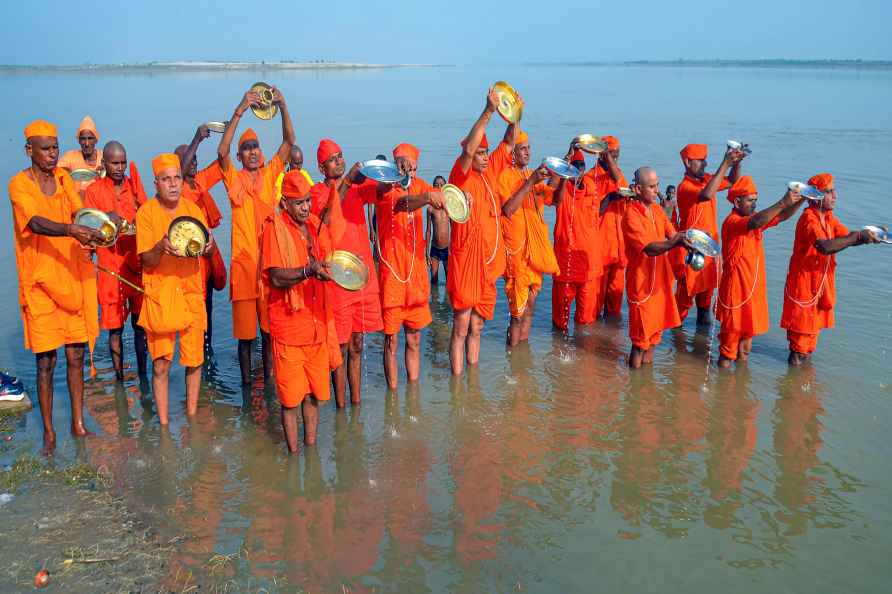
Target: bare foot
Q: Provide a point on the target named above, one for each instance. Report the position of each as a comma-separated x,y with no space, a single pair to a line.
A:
724,362
80,431
796,359
49,443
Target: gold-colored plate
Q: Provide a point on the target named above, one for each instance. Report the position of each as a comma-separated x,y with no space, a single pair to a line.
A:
347,270
84,175
188,235
510,106
456,203
626,192
590,143
266,110
98,220
218,127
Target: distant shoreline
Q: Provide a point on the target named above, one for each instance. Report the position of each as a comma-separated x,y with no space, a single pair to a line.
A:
214,66
764,63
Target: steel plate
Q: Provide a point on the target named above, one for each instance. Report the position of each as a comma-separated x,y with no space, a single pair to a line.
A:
702,242
381,171
218,127
883,235
98,220
84,175
807,191
561,168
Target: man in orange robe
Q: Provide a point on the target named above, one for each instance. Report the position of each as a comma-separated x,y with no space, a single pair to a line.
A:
742,301
607,179
197,188
252,196
85,158
294,246
696,196
174,286
810,290
476,252
57,283
402,271
122,195
577,249
339,201
523,194
648,236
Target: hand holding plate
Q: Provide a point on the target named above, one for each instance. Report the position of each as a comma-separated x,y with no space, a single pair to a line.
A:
211,246
492,100
278,97
85,235
541,174
317,269
203,131
436,200
355,176
868,236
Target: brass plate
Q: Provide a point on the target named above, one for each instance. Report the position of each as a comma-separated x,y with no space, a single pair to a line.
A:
218,127
347,270
266,110
188,235
98,220
84,175
626,192
456,203
590,143
510,106
702,242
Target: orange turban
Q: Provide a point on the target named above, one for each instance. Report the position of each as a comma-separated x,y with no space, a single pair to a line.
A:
165,161
612,142
247,135
407,151
522,138
295,185
694,152
822,181
484,142
327,148
89,125
745,186
40,128
577,156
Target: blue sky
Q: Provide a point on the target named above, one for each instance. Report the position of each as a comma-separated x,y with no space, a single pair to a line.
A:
458,32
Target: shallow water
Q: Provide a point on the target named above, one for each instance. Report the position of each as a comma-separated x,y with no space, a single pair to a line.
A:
551,467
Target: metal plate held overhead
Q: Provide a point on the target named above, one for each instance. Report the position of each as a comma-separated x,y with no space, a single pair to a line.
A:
807,191
381,171
510,105
590,143
218,127
561,168
266,109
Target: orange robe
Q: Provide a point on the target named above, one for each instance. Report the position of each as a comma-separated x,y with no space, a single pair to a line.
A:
204,180
578,254
117,299
301,323
648,279
742,305
693,214
405,289
354,311
476,253
525,234
174,289
610,236
74,159
253,200
810,290
57,282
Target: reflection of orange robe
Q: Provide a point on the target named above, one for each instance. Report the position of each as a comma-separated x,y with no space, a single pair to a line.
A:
476,253
613,253
181,276
810,290
529,252
57,282
648,279
694,214
742,304
204,180
301,325
74,159
354,311
405,289
578,254
253,200
114,296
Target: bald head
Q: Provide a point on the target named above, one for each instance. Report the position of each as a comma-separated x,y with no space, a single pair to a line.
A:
296,161
190,169
114,158
646,184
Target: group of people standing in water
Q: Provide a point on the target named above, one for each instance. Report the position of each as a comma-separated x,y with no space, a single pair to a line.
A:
610,238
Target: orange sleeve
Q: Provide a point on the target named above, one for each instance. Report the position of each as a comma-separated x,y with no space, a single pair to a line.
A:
667,224
811,230
24,206
92,199
736,224
505,186
368,192
146,234
269,251
457,176
838,228
233,184
275,166
218,271
209,176
74,197
635,232
500,158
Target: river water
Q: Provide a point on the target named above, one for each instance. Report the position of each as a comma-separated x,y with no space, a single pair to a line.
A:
550,467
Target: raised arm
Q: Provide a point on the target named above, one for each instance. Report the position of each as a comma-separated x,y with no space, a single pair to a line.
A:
288,138
731,161
784,208
223,149
201,133
838,244
475,136
612,167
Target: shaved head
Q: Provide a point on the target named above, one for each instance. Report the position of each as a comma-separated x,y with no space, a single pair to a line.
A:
296,158
113,148
647,184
